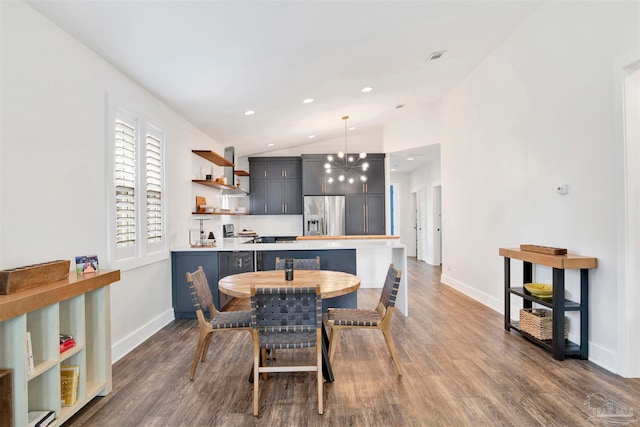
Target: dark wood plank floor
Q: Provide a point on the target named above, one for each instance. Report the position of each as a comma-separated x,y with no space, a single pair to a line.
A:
460,369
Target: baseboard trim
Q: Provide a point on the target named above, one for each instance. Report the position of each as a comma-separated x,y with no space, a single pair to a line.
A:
135,338
602,357
481,297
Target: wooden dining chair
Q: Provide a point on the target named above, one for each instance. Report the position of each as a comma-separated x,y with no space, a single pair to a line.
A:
378,318
217,321
286,318
300,263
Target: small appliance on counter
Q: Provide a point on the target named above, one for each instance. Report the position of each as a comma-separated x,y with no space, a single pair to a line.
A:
228,232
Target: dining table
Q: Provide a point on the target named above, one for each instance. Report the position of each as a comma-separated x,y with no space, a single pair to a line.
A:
332,284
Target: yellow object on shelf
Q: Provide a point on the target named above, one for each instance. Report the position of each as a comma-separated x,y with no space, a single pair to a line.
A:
540,290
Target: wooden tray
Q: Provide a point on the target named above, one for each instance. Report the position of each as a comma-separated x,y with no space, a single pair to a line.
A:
31,276
548,250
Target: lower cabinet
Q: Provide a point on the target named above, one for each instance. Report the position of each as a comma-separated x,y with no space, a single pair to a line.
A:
232,263
183,262
216,265
364,214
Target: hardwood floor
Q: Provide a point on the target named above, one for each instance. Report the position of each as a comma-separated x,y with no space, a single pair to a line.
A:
460,369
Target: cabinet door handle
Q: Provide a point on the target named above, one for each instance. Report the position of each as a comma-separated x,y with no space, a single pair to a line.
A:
265,208
367,221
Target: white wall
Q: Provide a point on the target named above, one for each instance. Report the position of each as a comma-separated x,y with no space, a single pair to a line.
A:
53,165
536,113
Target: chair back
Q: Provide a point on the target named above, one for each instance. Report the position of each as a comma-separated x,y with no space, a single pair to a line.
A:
390,288
295,311
300,263
200,292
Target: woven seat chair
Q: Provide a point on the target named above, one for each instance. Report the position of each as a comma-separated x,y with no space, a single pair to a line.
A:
300,263
286,318
217,321
378,318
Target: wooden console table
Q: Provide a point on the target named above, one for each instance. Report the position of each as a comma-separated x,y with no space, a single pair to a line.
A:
559,347
78,306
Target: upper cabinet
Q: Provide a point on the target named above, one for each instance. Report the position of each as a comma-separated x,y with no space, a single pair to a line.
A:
314,177
276,185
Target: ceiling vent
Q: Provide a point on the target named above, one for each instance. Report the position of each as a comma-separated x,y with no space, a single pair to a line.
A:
436,55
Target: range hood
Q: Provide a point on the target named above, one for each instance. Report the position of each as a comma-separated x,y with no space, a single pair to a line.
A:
229,174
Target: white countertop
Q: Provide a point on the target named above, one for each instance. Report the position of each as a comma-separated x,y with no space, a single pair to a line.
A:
237,244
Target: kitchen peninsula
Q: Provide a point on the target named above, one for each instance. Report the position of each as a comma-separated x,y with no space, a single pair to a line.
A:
368,257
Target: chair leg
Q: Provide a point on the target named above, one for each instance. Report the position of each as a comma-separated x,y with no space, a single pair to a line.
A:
392,349
205,350
201,339
320,380
333,342
256,380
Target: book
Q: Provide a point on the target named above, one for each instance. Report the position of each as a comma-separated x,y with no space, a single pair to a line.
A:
87,264
40,418
66,342
69,380
30,365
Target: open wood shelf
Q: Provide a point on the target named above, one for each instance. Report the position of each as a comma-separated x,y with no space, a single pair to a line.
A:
240,172
228,189
213,157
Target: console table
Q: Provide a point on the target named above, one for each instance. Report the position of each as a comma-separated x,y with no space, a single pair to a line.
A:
558,346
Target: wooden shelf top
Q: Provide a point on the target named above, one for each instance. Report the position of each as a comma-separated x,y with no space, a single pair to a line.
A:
22,302
240,172
555,261
212,157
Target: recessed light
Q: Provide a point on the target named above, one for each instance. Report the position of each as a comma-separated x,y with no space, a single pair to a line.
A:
271,144
311,136
409,158
352,128
366,89
307,101
436,55
399,106
393,170
249,113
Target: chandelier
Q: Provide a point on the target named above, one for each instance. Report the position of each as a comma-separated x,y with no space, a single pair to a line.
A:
345,165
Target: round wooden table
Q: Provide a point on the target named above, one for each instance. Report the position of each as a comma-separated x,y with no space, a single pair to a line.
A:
332,283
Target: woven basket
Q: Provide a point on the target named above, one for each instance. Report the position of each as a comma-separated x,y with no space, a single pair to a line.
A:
538,322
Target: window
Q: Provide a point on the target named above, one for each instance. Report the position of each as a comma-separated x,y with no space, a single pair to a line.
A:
154,186
137,231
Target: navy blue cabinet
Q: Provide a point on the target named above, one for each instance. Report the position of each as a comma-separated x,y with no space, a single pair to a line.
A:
275,185
183,262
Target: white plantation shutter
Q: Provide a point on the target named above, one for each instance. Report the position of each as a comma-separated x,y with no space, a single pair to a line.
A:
125,184
136,203
154,168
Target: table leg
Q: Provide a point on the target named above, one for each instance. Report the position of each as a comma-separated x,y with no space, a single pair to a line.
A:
327,372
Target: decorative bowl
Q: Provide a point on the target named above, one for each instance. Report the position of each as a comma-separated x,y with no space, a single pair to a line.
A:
540,290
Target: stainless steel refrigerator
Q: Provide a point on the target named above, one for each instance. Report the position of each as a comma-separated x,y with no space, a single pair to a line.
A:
324,215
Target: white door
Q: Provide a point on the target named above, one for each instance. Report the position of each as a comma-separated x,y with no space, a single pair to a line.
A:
421,223
437,225
412,243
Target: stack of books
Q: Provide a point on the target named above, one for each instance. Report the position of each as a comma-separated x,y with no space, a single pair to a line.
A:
66,342
40,418
69,379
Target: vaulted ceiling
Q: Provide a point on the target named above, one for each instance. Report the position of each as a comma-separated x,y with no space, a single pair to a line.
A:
214,60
